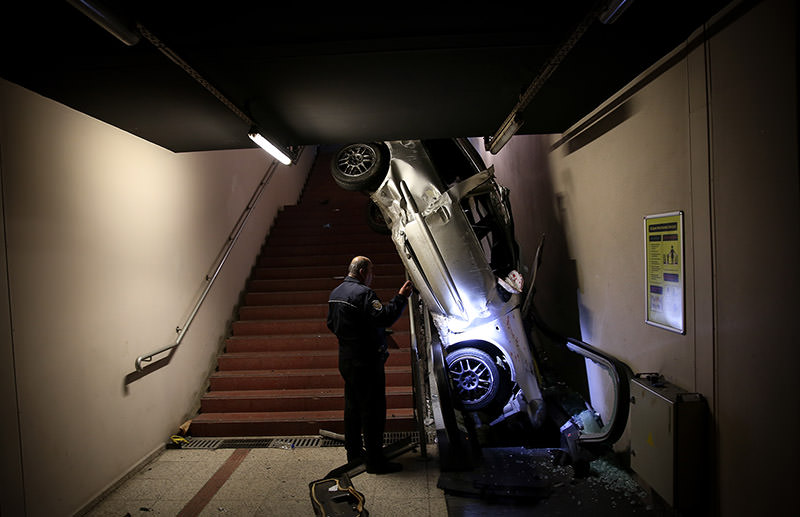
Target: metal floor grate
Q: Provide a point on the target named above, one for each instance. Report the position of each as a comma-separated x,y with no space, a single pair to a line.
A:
388,439
282,442
201,443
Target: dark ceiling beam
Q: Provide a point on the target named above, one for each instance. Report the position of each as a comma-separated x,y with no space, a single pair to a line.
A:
515,120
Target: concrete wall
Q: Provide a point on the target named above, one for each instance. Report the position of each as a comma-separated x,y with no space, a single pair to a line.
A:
108,240
711,131
756,232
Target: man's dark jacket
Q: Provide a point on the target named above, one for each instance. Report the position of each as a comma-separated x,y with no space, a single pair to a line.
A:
359,319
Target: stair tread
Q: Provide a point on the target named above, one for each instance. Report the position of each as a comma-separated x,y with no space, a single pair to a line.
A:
296,392
255,416
328,269
326,291
262,306
299,335
296,371
377,279
272,320
329,352
250,337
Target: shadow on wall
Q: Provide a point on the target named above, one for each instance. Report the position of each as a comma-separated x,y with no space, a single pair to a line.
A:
541,211
610,119
523,167
147,369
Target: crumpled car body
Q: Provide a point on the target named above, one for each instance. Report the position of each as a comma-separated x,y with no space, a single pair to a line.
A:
451,224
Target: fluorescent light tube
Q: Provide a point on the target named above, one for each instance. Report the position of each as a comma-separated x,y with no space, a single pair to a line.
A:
504,134
270,148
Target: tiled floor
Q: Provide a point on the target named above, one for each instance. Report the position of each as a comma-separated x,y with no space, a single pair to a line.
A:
271,482
275,482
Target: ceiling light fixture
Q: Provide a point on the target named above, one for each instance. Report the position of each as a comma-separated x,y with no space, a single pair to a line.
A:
268,146
105,18
504,134
614,11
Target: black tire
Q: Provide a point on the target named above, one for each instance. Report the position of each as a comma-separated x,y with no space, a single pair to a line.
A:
475,376
375,219
446,401
458,447
360,167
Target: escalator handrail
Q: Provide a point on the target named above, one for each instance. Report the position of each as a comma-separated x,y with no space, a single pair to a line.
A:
620,372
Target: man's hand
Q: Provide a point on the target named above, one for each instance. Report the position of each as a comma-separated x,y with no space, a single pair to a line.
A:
407,288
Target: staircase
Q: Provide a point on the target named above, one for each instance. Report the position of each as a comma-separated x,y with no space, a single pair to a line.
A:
278,375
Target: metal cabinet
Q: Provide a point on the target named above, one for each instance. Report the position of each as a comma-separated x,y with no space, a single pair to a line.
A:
669,441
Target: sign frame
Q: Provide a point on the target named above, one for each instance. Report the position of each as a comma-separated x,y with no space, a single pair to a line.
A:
664,272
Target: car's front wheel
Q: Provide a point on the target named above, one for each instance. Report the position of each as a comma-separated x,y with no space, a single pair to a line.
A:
360,166
476,377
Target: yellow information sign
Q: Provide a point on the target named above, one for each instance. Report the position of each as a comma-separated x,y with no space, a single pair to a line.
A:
664,278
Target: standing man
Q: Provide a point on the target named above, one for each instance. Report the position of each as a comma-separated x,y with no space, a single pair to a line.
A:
359,319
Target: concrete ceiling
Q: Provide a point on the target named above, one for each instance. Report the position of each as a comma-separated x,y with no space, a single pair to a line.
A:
336,72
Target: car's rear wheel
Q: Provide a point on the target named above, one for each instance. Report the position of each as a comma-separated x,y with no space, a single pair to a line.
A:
476,378
360,166
375,219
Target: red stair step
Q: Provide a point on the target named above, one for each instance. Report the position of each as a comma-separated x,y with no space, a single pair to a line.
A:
288,423
304,297
278,342
343,258
285,312
295,378
268,312
296,326
379,244
352,208
296,359
324,235
324,271
316,284
264,327
293,400
285,227
290,342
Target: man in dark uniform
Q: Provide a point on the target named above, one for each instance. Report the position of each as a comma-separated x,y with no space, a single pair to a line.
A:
359,319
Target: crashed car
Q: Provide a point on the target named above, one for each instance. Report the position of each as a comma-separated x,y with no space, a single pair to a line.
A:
452,226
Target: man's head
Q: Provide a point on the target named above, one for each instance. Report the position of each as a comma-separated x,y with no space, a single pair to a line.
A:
361,269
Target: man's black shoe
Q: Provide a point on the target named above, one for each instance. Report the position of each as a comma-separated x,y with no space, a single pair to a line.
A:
358,458
384,468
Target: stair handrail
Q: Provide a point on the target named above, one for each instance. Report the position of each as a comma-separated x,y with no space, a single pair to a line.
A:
233,237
